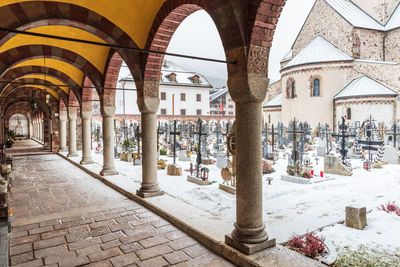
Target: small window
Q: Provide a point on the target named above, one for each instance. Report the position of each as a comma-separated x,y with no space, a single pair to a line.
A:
198,97
198,112
183,97
349,113
163,96
316,88
183,112
293,90
269,118
163,111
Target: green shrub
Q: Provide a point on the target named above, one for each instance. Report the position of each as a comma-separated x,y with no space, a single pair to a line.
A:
127,145
163,152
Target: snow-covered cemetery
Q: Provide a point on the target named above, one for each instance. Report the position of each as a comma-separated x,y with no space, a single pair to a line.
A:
200,133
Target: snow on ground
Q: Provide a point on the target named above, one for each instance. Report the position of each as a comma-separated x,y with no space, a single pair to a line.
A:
296,208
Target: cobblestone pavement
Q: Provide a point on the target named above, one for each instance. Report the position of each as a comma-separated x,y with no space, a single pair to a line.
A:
61,218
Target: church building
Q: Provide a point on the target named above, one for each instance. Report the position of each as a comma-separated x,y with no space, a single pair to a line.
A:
344,62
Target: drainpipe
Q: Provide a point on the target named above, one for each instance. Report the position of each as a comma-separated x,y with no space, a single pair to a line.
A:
384,46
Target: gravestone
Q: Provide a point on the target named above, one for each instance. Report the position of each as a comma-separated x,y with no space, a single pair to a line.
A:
390,155
174,170
183,156
321,148
222,161
356,217
333,165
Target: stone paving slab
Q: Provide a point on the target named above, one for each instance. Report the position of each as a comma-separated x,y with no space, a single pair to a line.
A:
124,235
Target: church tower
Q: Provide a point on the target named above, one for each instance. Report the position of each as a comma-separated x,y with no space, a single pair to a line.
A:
381,10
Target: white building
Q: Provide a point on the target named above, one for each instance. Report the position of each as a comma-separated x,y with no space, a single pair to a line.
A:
221,103
182,92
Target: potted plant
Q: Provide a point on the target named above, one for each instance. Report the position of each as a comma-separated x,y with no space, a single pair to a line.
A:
10,138
127,146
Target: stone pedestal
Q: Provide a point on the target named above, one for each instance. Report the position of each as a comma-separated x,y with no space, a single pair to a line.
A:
356,217
249,248
207,161
174,170
125,157
333,165
196,180
228,188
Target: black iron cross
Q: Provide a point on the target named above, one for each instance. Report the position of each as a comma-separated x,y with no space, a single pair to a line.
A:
326,132
294,131
217,131
265,133
138,137
343,129
175,133
395,133
369,127
200,133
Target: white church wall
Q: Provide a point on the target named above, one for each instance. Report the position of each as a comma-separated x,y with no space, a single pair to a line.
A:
272,116
24,124
308,108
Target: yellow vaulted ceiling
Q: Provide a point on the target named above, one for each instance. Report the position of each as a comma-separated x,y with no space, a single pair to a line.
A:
134,17
47,78
94,54
41,87
70,70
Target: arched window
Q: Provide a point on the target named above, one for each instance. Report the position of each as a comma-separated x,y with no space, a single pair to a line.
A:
269,118
349,113
316,88
293,90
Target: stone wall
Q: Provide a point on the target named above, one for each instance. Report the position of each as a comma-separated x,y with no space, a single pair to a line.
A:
273,90
392,46
320,22
370,44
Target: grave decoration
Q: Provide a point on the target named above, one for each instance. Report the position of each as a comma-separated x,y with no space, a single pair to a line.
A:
137,157
126,154
160,131
370,143
343,128
282,140
174,169
199,174
295,166
228,173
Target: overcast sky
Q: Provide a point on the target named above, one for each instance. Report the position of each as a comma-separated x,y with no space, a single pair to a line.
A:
198,36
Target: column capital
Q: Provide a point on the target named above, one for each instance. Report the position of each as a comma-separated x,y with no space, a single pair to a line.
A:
86,115
72,113
248,80
148,104
107,111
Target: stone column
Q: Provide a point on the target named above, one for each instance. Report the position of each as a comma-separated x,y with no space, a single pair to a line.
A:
86,138
63,131
41,131
47,127
108,141
148,108
72,132
248,85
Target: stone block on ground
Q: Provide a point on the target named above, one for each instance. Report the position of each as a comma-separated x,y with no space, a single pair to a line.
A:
228,188
174,170
390,155
356,217
332,165
207,161
196,180
222,161
183,156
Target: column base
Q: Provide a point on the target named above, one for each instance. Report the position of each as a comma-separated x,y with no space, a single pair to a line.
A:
149,194
63,150
109,171
86,161
72,155
249,249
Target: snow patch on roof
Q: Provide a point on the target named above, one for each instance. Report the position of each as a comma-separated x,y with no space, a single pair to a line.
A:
288,56
364,86
317,51
394,21
274,102
355,15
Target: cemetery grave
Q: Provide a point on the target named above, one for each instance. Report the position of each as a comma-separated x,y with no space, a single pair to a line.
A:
288,207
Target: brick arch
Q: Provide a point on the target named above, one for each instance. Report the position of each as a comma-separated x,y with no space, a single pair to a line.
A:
168,19
18,108
27,91
29,81
16,73
20,54
113,67
46,110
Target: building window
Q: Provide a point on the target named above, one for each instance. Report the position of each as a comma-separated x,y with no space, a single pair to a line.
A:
349,113
269,118
293,89
316,88
198,112
163,111
163,96
198,97
183,112
183,97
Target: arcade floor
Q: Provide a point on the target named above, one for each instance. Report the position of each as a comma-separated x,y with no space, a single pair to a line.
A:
64,217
